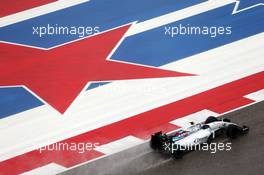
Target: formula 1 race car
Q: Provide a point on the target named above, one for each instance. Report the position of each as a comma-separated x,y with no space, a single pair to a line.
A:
184,140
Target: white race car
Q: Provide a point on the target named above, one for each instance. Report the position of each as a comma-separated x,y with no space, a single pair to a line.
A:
184,140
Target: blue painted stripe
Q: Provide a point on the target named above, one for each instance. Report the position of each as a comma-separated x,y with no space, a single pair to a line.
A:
106,14
155,48
248,3
96,85
15,100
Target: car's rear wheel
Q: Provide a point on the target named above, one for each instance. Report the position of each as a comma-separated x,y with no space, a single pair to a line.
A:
156,141
211,119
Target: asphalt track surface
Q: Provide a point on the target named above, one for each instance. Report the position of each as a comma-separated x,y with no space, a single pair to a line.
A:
245,158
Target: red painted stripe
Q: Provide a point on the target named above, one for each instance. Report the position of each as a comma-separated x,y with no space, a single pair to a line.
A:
14,6
141,125
230,105
34,159
52,76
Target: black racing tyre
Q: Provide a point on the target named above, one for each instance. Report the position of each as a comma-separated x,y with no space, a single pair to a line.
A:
156,141
210,119
210,139
226,120
232,131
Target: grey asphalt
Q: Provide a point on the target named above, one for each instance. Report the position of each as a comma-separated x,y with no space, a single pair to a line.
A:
245,158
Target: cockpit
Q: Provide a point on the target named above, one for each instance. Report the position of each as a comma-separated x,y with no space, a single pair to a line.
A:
194,128
180,134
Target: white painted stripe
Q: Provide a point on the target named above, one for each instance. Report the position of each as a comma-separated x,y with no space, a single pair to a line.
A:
119,145
197,117
38,11
49,169
256,96
235,11
212,60
178,15
108,104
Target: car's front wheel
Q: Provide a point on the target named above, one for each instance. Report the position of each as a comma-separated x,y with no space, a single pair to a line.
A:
232,131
